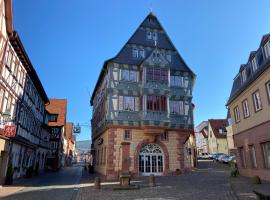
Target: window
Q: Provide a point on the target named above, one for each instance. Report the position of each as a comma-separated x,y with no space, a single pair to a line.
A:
128,103
135,53
156,103
242,157
244,75
257,101
151,35
254,64
266,154
164,136
245,108
177,107
268,90
127,135
53,117
141,53
252,154
169,57
267,49
8,105
177,81
1,97
129,75
156,74
236,114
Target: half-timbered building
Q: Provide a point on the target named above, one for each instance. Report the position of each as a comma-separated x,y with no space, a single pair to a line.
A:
142,106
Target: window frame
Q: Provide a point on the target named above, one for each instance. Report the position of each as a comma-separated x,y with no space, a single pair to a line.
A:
242,155
267,85
266,49
245,102
254,64
244,75
252,156
54,115
237,116
127,132
254,101
266,163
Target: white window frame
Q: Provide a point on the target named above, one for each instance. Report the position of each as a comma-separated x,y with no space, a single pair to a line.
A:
268,90
253,158
244,75
254,64
266,48
257,101
135,53
237,114
245,108
266,154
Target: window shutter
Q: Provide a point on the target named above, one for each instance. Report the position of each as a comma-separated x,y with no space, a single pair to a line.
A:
121,101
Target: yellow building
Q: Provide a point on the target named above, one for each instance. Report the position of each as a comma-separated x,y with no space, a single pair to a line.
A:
217,142
249,105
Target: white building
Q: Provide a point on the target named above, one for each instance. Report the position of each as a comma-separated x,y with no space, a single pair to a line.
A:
201,135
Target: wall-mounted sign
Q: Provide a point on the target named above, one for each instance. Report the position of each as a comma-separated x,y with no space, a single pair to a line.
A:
10,131
100,141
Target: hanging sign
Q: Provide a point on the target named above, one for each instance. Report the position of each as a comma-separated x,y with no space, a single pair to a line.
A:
10,131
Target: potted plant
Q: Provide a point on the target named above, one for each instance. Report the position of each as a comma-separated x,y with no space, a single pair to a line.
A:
9,175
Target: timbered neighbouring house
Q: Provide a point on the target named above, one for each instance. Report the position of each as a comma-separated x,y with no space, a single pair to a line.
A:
142,106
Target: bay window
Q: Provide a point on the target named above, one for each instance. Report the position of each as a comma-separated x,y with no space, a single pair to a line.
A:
177,107
156,103
128,103
157,74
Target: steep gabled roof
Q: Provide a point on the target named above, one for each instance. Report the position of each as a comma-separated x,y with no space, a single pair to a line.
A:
139,38
262,64
216,125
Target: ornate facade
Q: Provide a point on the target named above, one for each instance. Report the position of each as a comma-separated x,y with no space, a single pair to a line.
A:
143,99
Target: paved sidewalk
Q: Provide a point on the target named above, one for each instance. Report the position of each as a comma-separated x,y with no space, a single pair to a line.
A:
211,182
243,187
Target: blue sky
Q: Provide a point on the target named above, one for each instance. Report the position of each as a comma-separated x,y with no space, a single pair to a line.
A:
68,41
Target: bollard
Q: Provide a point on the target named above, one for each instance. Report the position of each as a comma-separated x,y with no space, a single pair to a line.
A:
152,181
97,183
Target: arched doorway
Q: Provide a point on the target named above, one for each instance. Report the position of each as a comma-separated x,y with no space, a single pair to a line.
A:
151,160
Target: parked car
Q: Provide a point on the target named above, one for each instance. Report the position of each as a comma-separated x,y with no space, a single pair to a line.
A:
220,157
205,156
232,159
225,159
216,156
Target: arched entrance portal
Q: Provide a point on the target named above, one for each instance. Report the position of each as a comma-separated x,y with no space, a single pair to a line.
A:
151,160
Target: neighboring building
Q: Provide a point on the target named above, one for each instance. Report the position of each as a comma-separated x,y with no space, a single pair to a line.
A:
142,106
230,142
249,105
57,110
217,142
71,148
201,135
22,103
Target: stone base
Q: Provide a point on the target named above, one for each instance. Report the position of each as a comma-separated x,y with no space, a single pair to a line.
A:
129,187
125,180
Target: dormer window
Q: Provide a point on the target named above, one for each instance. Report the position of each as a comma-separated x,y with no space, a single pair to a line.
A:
244,75
169,57
254,64
141,52
267,49
135,53
151,35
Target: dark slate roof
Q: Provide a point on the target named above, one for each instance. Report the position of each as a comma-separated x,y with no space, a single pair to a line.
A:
216,125
238,85
139,38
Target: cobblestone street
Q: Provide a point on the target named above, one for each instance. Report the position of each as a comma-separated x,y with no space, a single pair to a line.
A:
210,181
